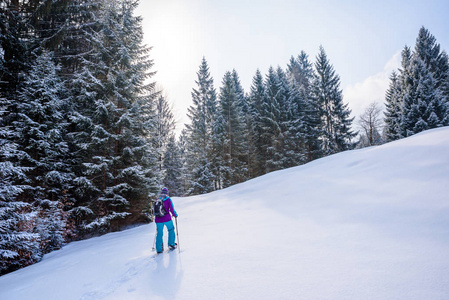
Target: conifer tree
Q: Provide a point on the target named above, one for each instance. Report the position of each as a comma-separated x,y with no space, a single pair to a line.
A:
173,168
290,122
19,246
301,75
302,71
423,105
423,77
115,104
185,172
232,126
256,148
141,155
271,127
164,128
245,117
41,129
435,60
335,115
393,109
201,153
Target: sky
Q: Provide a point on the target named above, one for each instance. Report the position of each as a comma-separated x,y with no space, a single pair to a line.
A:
362,39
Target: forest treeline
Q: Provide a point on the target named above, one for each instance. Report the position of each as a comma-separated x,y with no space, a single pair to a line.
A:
87,140
288,118
79,146
295,115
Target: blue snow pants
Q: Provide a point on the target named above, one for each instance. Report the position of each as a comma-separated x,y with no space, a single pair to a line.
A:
160,232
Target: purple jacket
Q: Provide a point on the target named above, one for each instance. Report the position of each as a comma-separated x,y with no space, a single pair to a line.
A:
168,205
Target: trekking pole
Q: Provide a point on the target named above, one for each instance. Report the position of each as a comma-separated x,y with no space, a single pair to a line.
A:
177,234
154,242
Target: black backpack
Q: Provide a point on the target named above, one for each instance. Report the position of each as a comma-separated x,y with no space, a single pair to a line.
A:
159,209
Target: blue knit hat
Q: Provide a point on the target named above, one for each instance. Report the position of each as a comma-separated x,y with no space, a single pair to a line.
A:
164,191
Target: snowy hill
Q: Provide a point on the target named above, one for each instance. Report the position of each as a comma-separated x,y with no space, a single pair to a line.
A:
364,224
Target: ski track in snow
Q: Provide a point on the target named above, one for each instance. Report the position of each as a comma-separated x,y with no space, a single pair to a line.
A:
363,224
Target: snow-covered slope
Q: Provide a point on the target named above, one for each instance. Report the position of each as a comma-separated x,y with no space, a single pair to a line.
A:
365,224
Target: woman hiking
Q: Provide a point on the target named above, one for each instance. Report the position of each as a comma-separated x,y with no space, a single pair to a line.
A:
164,218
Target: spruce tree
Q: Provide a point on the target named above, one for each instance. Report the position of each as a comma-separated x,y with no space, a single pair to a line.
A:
201,152
301,75
393,109
271,122
164,128
41,128
435,60
424,106
232,126
301,71
423,86
141,155
243,104
114,105
19,246
173,168
335,115
256,148
290,122
185,172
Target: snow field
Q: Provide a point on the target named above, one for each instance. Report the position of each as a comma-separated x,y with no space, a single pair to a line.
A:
364,224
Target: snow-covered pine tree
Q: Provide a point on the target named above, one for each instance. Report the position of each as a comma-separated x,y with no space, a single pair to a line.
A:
136,175
19,246
114,106
435,60
335,115
201,153
185,173
41,128
292,122
232,126
423,79
145,177
271,122
444,68
173,168
164,128
87,86
301,74
256,98
243,104
424,106
83,98
301,69
393,103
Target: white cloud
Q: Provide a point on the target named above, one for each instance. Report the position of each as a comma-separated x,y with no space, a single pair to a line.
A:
372,89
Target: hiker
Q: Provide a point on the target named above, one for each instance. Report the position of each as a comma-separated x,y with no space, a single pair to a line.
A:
164,218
